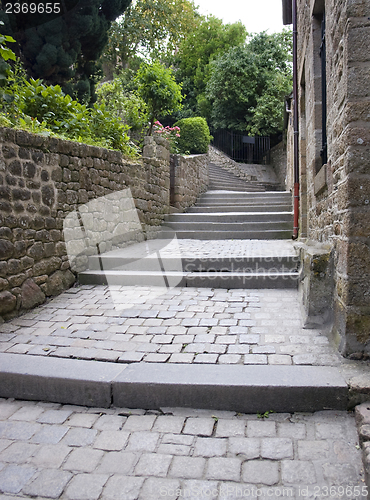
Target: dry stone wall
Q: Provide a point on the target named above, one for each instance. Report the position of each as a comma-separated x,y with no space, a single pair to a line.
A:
43,180
190,178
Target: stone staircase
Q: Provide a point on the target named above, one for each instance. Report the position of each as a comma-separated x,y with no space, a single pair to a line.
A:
233,208
250,213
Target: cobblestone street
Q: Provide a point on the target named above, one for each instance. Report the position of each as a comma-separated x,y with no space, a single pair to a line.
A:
180,325
68,452
55,451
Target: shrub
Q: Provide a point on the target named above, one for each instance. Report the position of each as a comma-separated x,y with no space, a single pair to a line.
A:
172,134
195,136
156,85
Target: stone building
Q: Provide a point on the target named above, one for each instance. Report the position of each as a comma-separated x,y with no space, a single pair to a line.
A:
333,102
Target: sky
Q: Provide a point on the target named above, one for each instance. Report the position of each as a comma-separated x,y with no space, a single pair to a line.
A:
256,15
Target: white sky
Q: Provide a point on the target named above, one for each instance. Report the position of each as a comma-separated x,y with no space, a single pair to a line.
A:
256,15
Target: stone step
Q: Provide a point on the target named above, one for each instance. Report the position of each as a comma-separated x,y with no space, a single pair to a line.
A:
263,196
263,234
227,187
247,280
230,217
236,226
117,260
240,388
278,207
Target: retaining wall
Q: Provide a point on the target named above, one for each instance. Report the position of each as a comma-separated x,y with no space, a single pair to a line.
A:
43,179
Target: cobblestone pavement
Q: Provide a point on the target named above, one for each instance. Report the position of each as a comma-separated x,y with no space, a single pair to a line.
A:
231,248
54,451
184,325
180,325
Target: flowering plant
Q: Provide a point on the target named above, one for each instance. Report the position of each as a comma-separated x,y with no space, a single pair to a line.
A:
169,133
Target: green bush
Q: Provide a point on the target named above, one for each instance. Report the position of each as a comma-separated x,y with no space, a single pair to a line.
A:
195,136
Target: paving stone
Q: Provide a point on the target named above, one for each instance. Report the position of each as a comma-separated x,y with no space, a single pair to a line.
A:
313,450
168,423
329,431
54,416
298,472
14,477
80,437
155,488
174,449
181,357
263,349
27,413
153,464
197,490
260,472
187,467
178,439
261,428
293,430
50,434
229,428
131,357
82,420
155,357
226,339
122,488
83,459
248,447
279,359
232,491
199,426
276,448
115,462
229,359
19,452
340,474
139,422
227,469
86,486
51,456
210,447
143,441
49,483
255,359
249,338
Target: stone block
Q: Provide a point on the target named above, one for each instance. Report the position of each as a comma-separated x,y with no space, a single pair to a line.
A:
31,295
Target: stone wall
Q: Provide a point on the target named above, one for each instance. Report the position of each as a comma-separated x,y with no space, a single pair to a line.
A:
264,174
335,209
43,180
278,161
190,178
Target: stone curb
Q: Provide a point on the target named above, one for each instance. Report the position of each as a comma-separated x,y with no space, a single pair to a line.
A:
247,389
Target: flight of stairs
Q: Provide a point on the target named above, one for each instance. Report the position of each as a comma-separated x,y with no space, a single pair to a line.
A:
239,210
242,210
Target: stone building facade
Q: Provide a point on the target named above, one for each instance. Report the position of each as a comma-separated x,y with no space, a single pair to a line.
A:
44,179
333,73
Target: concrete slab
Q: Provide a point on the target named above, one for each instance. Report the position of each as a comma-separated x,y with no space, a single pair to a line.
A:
58,380
247,389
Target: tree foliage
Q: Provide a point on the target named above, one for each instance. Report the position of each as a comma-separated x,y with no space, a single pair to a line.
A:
152,28
248,83
63,48
157,86
211,39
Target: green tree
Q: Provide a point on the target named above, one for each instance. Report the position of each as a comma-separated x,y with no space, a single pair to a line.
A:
62,48
152,28
247,85
157,86
209,40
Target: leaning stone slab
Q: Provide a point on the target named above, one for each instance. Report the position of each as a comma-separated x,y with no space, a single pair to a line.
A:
69,381
247,389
